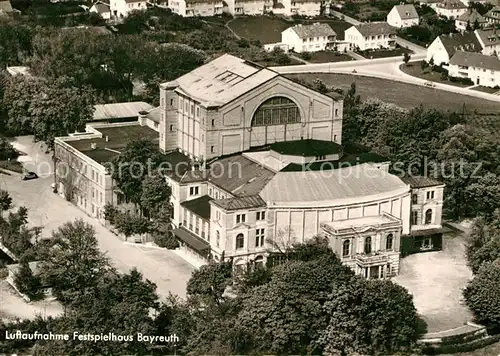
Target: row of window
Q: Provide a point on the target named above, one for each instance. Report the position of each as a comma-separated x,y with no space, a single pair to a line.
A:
346,245
196,225
259,216
427,220
429,196
259,239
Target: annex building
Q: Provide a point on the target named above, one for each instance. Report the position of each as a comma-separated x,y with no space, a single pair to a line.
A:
258,165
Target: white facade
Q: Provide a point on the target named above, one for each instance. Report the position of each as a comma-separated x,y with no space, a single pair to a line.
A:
490,42
357,40
437,52
246,7
451,9
480,76
121,8
299,44
102,9
394,19
301,7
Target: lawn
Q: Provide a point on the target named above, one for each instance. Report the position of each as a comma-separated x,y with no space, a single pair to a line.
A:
13,166
328,56
267,29
403,94
415,70
384,53
486,89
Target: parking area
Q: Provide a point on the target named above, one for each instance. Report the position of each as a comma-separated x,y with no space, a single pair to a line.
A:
163,267
436,280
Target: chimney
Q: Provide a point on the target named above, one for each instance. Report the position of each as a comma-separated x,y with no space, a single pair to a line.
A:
93,145
143,117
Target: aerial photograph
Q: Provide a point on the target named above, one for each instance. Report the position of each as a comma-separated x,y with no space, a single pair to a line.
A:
250,177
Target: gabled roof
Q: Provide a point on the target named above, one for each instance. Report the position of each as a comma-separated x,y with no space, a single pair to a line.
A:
6,7
375,28
199,206
238,203
406,12
102,8
221,80
489,37
460,42
315,186
493,13
420,181
314,30
451,5
477,60
472,16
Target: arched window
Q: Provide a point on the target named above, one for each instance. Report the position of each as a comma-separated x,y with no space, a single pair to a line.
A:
389,241
276,111
240,241
346,248
217,238
428,216
414,199
259,262
368,245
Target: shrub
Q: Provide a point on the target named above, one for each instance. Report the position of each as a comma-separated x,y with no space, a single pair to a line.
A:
167,241
306,56
27,283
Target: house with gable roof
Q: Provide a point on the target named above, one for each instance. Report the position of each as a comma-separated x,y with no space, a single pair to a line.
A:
493,16
471,18
309,38
444,47
190,8
372,35
121,8
102,9
490,41
403,16
451,9
481,69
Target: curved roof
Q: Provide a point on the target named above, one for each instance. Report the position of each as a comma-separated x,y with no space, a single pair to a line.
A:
345,183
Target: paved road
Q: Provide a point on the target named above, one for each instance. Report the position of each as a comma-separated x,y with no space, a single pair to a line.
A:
414,47
163,267
346,18
384,68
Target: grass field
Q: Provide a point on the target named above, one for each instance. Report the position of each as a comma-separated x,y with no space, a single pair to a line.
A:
328,56
267,29
414,70
405,95
486,89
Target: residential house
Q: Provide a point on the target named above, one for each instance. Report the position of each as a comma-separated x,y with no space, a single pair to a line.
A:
493,16
471,19
121,8
481,69
102,9
427,196
309,38
490,41
373,35
299,7
249,7
444,47
451,9
403,16
190,8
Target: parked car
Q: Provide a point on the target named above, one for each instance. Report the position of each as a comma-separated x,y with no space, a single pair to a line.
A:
30,176
430,84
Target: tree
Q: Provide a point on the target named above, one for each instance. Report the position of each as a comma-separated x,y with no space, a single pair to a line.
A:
468,27
7,151
131,224
483,245
484,195
431,62
481,294
162,227
26,282
370,317
155,193
406,57
210,281
75,264
129,169
5,201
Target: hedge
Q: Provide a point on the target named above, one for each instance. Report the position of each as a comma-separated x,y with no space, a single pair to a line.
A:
457,348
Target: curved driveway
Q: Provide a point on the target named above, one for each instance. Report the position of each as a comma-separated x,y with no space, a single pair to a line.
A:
384,68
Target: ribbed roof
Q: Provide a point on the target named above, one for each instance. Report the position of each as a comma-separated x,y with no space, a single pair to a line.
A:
350,182
120,110
420,181
477,60
221,80
314,30
238,203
